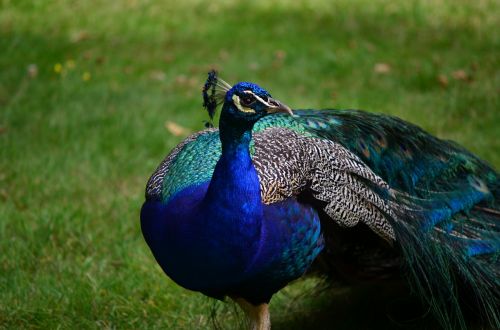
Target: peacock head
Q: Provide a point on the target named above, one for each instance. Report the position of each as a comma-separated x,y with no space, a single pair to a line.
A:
244,101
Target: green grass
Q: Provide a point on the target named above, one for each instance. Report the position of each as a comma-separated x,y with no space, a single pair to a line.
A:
77,146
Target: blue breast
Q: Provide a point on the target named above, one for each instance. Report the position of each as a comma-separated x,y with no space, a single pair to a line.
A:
205,253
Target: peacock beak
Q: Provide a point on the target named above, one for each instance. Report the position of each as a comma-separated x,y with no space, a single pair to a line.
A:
276,106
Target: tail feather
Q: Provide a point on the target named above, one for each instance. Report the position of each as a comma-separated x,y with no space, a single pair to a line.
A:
436,200
450,250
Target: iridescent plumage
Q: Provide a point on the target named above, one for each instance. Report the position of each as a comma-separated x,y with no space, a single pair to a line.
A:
250,206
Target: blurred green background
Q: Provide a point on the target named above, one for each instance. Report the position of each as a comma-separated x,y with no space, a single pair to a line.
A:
93,94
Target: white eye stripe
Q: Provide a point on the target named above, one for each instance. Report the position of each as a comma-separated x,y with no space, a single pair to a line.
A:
259,98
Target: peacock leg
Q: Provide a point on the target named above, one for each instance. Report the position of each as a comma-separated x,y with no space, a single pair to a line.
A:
258,315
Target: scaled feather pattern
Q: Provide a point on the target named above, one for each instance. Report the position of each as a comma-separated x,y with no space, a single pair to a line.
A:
242,210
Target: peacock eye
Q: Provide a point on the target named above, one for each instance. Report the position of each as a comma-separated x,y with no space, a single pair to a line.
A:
247,100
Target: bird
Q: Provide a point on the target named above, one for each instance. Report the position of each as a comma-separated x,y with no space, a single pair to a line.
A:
241,210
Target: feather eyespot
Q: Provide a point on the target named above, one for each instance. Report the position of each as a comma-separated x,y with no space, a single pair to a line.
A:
442,158
478,184
381,141
364,149
406,151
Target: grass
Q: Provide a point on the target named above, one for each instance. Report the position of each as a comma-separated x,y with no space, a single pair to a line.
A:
87,86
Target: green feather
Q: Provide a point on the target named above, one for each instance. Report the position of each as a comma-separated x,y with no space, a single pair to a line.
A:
438,183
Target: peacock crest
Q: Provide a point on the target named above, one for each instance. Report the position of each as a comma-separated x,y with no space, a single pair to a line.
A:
214,92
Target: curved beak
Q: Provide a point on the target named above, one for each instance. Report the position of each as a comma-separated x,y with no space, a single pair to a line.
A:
276,106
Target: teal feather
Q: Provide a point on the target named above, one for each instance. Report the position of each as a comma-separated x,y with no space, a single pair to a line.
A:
441,201
413,169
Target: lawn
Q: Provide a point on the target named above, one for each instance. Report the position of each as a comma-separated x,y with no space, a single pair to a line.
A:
90,91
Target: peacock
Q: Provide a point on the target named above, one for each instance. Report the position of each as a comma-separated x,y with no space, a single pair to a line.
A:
242,210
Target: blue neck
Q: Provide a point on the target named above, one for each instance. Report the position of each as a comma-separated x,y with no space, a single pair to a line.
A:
234,187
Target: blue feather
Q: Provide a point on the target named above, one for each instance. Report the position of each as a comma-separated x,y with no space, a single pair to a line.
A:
211,230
